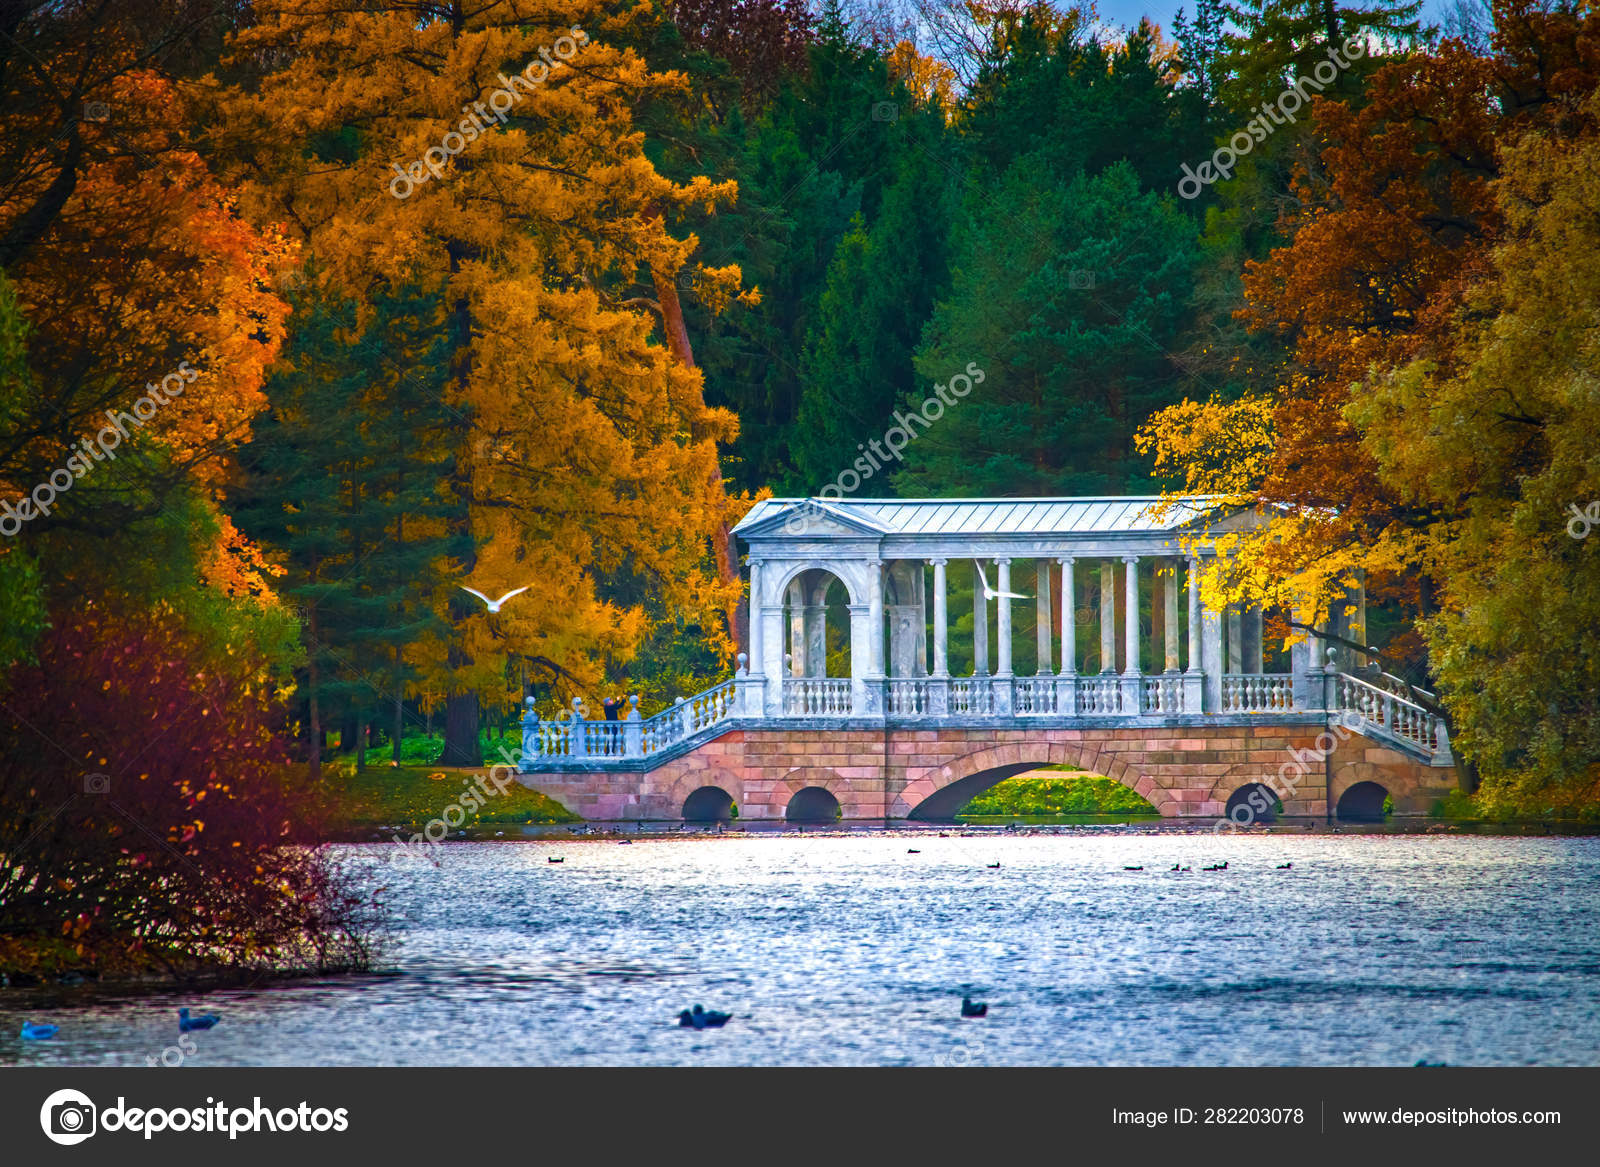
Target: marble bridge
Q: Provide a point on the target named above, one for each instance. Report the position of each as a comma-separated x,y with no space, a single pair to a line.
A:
840,710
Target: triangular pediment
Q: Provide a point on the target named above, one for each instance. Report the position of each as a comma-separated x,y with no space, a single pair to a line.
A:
805,518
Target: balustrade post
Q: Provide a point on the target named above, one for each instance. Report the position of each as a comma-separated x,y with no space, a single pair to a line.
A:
579,745
1330,682
530,731
633,730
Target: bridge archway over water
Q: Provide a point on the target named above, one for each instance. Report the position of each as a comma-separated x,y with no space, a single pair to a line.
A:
1362,803
939,795
813,804
1252,803
708,804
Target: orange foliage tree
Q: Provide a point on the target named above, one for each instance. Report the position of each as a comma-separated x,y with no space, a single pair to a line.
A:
490,152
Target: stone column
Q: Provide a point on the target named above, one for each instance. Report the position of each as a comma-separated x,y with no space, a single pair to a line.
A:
1170,614
875,615
816,614
865,689
797,627
754,631
941,621
1211,658
1193,682
1003,584
1235,641
1108,616
939,683
1042,616
1069,616
751,687
1131,569
1132,684
1305,663
980,626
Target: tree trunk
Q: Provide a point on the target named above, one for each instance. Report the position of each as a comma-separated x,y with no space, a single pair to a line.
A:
723,545
317,735
348,726
361,745
461,747
399,725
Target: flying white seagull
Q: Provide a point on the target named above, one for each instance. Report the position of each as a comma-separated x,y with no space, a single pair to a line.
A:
988,592
494,605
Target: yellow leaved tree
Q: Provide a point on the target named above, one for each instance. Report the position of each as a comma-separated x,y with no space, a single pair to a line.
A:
490,150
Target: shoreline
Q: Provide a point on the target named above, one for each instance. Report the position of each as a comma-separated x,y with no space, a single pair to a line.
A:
1066,826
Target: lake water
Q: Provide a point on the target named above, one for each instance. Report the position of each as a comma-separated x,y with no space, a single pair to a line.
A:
847,950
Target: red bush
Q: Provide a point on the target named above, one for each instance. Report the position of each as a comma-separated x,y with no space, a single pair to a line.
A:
144,816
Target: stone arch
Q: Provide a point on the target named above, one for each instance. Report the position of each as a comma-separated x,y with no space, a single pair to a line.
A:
1251,802
707,804
782,790
1362,802
805,627
691,781
923,797
842,570
813,804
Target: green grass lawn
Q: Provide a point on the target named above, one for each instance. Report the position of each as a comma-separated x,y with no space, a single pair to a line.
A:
409,796
1064,792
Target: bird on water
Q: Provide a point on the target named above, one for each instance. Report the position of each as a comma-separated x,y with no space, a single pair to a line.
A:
187,1024
702,1018
971,1008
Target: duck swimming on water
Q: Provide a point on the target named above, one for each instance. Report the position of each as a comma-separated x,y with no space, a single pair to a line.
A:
971,1008
701,1018
187,1024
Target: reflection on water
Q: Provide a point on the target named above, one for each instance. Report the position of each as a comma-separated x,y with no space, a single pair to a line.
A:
851,951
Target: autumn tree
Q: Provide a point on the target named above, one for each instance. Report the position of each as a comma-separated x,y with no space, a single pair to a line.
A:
1496,438
444,147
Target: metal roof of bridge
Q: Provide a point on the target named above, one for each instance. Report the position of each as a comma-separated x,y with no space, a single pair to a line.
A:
998,516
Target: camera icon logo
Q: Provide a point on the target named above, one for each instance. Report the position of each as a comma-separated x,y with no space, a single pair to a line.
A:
96,111
885,111
97,783
68,1117
1080,280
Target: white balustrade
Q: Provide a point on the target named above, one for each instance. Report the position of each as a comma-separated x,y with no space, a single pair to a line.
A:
908,698
1163,695
1388,713
1257,692
1381,711
1099,695
817,697
972,697
1034,695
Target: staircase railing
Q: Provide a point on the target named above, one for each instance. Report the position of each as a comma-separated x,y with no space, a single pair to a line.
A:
1386,714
